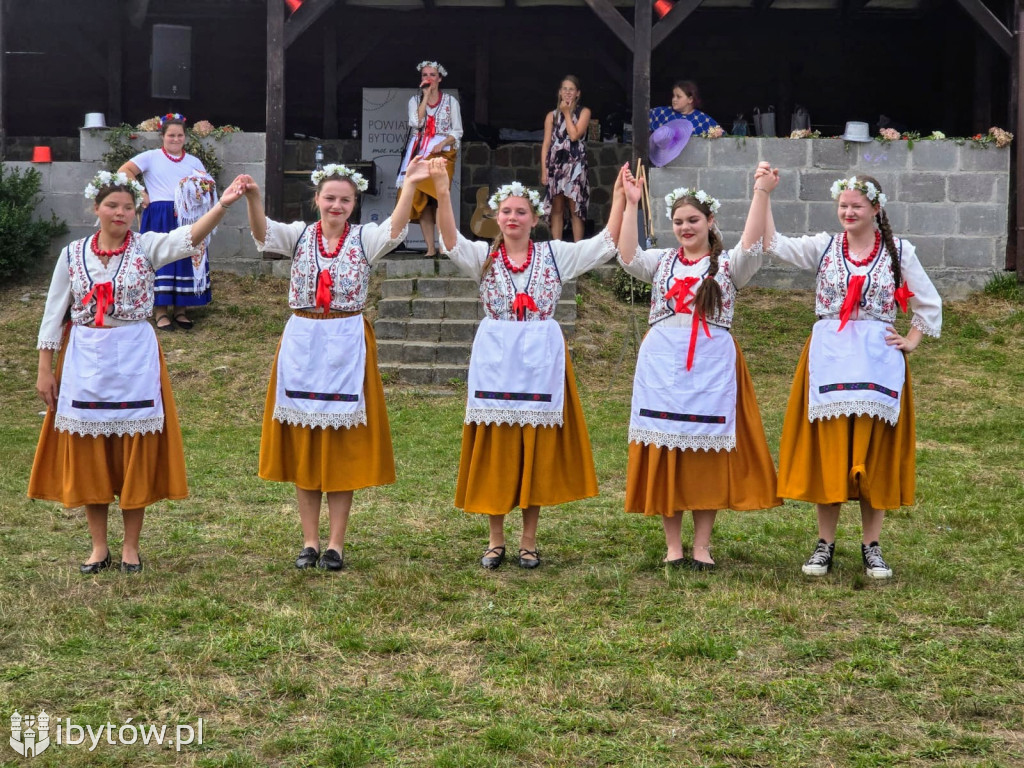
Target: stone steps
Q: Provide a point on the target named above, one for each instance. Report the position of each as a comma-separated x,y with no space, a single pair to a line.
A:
426,324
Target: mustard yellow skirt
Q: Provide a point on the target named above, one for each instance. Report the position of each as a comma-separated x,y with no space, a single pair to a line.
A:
830,461
328,460
425,192
137,469
663,481
504,466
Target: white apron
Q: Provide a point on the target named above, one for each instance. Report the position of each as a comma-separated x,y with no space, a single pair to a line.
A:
676,408
111,382
320,373
517,373
853,372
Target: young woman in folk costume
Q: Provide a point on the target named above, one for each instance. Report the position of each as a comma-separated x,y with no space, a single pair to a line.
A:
435,128
524,442
185,283
849,426
563,171
695,435
111,428
325,425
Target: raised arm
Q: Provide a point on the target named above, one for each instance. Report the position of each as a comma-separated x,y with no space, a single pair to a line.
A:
614,223
235,191
766,179
418,170
446,227
254,207
627,240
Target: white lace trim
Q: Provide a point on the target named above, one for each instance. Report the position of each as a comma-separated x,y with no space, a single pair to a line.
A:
186,240
609,243
510,416
918,322
299,418
108,428
48,344
773,244
854,408
682,442
260,245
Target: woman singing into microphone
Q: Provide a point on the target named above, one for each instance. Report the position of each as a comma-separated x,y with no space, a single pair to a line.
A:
435,128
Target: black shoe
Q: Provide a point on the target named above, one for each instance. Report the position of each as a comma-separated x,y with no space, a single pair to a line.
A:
529,562
96,567
331,560
307,558
700,565
130,567
168,326
492,562
677,563
183,322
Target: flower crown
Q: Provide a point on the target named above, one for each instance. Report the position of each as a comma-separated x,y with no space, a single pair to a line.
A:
440,70
108,179
873,193
697,194
171,116
342,172
516,189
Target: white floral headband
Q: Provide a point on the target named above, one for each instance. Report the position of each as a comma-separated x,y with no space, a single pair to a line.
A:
873,193
516,189
697,194
108,179
440,70
342,172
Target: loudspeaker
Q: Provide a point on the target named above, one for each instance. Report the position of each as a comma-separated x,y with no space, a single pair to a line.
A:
171,62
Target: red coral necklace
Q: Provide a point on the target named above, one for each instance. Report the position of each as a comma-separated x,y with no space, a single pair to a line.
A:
109,254
867,259
508,262
320,241
690,262
171,157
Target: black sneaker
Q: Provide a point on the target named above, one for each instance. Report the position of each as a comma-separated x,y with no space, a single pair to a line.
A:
307,558
820,562
874,565
332,560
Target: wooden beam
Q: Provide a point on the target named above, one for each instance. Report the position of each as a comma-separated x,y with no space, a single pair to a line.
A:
482,80
1017,178
672,19
987,20
275,110
330,128
614,20
642,18
3,81
304,18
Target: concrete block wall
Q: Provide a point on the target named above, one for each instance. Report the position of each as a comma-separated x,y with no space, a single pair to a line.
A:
949,200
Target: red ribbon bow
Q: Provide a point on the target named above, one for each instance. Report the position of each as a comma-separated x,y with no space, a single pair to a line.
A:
682,292
852,299
323,290
429,129
902,295
104,295
698,321
523,302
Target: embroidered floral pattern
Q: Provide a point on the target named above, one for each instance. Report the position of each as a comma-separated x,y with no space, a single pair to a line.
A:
132,277
670,268
350,272
682,442
834,273
544,286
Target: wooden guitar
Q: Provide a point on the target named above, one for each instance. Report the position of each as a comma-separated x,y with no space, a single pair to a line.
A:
483,223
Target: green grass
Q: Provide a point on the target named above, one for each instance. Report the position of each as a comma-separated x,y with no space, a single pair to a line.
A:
414,656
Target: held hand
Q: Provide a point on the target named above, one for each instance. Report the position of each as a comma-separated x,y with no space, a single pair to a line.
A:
439,173
251,188
618,188
235,191
46,388
766,178
893,339
417,170
634,190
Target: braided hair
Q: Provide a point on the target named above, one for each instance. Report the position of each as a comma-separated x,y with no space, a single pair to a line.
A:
707,301
887,237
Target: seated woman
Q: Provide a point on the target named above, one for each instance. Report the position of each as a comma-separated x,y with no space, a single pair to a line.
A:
685,103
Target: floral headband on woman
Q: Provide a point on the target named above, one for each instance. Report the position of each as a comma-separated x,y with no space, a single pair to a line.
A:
874,195
108,179
171,116
516,189
342,172
697,194
440,70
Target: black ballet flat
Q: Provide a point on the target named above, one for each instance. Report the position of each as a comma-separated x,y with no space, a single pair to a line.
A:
96,567
529,562
493,562
332,560
700,565
679,562
307,558
130,567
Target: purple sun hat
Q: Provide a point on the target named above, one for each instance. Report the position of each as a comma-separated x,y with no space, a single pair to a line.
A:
668,141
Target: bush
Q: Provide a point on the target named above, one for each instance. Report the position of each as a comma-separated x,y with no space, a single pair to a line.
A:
1004,285
626,286
24,241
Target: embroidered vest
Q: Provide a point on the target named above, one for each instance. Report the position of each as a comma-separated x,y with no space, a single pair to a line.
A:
442,115
544,285
670,268
834,273
132,283
349,270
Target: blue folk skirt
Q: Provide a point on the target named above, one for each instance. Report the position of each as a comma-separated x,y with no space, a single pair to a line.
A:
175,283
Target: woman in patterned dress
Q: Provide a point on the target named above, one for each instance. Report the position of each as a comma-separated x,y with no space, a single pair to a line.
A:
564,157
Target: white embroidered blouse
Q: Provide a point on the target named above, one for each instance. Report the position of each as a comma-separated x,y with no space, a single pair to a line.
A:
553,263
661,268
447,117
131,275
824,253
349,270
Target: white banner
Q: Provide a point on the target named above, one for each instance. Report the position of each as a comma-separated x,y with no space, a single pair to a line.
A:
385,132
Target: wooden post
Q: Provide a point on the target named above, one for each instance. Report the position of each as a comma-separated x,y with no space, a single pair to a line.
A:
275,110
642,17
330,81
1017,178
114,67
3,83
